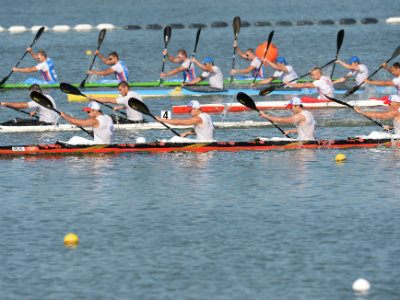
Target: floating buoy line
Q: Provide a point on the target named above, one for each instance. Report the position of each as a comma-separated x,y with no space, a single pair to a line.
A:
217,24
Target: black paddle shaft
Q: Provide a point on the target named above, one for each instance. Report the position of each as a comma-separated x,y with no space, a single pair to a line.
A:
271,35
194,51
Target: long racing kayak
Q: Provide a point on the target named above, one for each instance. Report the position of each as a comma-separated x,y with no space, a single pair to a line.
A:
62,148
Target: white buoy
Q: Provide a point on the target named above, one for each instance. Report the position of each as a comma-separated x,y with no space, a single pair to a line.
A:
61,28
140,140
105,26
17,29
35,28
361,285
2,29
83,27
393,20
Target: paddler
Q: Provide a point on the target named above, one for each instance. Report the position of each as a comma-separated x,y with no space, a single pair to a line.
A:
322,83
302,118
202,122
283,71
358,71
255,65
393,113
211,73
46,116
45,67
118,67
184,61
395,70
103,126
133,116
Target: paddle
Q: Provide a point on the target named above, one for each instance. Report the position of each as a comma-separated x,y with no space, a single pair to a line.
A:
271,35
37,36
102,35
141,107
270,89
45,102
355,88
339,42
194,51
70,89
245,99
22,111
352,107
167,37
236,30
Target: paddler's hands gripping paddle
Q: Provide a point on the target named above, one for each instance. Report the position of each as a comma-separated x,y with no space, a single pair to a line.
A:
167,37
194,51
352,107
355,88
70,89
271,35
138,105
236,30
245,99
37,36
45,102
102,35
339,42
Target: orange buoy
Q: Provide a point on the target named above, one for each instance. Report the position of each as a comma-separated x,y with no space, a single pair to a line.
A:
272,53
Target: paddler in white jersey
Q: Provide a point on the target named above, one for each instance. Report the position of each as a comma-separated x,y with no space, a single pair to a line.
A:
303,120
283,71
125,94
46,116
103,126
357,70
395,70
255,66
211,73
202,122
322,83
392,113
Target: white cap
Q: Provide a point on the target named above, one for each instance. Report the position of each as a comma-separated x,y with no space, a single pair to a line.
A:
92,106
194,104
294,101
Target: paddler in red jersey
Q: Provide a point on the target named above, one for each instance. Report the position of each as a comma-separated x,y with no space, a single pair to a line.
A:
302,118
392,113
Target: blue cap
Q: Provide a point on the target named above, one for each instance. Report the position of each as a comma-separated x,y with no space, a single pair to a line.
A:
281,59
353,59
208,60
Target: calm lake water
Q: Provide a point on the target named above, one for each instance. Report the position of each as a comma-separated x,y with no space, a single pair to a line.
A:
249,225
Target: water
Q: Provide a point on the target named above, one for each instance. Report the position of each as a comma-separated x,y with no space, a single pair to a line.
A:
255,225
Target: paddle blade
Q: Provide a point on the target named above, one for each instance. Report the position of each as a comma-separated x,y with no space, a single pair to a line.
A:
70,89
236,26
339,40
138,105
245,99
41,100
167,35
102,35
197,40
266,91
38,34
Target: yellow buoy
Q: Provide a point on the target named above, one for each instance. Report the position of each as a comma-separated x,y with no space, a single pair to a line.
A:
89,52
340,157
71,240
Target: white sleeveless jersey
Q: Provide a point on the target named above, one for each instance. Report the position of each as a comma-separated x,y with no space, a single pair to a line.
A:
306,130
103,133
325,87
205,131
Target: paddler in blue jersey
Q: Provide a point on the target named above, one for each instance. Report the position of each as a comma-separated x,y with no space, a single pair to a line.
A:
202,122
118,67
45,67
302,118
